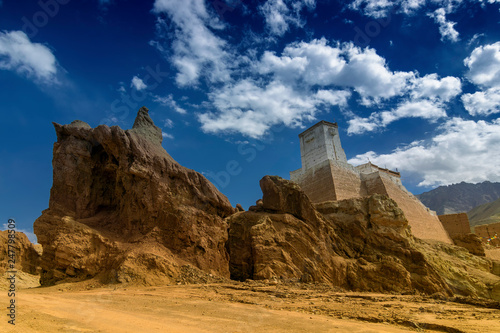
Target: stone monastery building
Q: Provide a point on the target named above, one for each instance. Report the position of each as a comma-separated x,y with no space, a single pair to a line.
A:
325,176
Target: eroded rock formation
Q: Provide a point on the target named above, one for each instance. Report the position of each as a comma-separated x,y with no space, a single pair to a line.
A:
27,258
122,209
471,242
359,244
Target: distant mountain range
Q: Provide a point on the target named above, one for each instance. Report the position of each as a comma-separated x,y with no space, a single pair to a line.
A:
460,198
485,214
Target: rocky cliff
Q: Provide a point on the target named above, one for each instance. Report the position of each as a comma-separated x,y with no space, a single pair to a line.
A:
358,244
27,257
121,209
27,261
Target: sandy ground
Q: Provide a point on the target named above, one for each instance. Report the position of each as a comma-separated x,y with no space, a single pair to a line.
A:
493,253
240,307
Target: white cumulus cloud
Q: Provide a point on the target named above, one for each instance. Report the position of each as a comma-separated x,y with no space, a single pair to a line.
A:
465,150
345,65
280,14
484,65
251,109
138,83
373,8
484,71
482,103
446,28
307,76
410,109
276,15
436,9
432,87
196,49
384,8
20,54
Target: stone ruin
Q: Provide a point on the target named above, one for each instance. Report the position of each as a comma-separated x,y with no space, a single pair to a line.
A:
455,224
489,233
458,228
327,176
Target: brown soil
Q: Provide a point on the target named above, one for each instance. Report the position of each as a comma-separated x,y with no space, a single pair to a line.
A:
493,253
242,307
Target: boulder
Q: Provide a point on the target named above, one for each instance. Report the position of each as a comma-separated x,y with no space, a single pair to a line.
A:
120,205
471,242
284,196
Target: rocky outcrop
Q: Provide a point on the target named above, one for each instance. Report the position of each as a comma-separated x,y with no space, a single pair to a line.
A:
27,258
358,244
274,240
120,206
471,242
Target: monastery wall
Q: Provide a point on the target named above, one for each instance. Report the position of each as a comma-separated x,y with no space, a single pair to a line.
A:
370,167
329,181
325,176
424,224
319,143
373,183
316,182
347,181
455,224
487,230
335,181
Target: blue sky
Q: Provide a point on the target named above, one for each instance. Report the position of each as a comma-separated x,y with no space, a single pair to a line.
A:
413,85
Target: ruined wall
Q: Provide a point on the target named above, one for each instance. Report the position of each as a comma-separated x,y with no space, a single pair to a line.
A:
487,230
455,224
424,224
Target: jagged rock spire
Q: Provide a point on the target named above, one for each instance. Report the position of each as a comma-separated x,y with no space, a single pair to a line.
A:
144,125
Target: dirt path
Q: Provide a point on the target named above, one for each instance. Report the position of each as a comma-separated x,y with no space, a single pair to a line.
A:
239,308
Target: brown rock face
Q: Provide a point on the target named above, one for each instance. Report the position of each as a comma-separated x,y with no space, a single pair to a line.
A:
471,242
284,196
26,256
121,206
358,244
